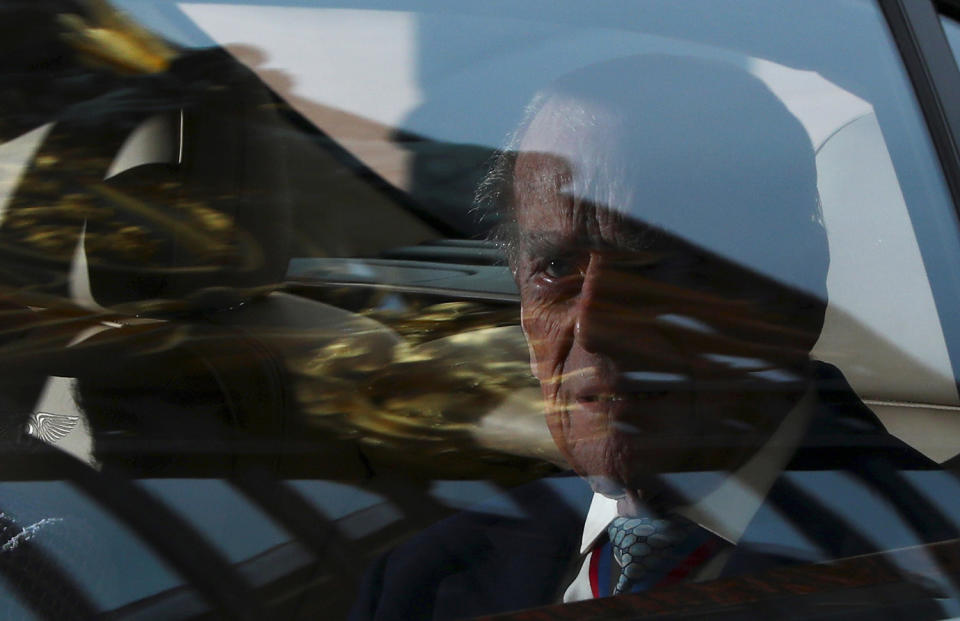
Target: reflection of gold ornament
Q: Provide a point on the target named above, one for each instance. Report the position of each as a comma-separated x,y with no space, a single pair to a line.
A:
426,397
133,241
463,405
58,240
108,37
128,225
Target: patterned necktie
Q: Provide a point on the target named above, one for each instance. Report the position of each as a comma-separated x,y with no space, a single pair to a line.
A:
647,549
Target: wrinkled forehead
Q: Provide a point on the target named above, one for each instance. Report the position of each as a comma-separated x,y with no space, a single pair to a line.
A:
562,169
706,172
564,126
560,150
660,164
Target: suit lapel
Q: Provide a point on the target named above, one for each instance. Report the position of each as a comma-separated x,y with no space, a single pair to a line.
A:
521,560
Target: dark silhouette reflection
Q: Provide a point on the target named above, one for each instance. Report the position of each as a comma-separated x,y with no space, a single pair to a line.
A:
161,165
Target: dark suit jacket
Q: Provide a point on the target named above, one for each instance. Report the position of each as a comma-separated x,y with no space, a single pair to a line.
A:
845,492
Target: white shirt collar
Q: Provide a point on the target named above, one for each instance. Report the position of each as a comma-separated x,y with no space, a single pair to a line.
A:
727,510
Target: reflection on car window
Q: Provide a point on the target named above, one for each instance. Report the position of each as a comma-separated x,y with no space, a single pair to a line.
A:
438,310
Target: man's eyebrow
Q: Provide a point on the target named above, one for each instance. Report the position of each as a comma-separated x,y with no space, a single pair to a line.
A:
546,243
542,243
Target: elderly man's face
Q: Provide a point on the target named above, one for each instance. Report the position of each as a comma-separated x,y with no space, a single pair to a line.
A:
624,327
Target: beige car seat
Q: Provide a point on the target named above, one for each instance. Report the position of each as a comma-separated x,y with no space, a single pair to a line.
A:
881,326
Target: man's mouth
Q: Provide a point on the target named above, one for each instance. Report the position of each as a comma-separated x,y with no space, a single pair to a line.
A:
639,408
603,398
622,397
629,388
620,403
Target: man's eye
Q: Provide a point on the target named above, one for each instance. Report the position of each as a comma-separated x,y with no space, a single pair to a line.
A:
561,267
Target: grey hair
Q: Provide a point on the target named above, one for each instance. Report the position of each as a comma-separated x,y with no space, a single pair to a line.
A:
493,199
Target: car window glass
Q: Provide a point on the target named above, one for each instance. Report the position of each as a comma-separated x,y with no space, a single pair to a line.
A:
314,306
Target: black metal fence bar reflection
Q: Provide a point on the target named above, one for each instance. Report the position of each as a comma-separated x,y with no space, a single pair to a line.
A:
169,535
38,580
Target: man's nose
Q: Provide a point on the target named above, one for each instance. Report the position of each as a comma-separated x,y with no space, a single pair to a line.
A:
603,307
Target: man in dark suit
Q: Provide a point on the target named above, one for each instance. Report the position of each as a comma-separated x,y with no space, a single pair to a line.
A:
661,219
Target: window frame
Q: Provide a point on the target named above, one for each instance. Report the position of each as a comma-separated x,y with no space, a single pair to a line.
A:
932,69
